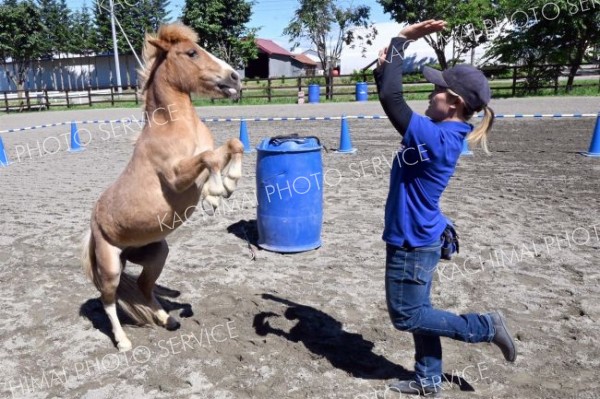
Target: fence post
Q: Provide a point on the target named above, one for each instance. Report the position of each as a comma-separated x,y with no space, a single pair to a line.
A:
135,92
67,96
47,99
27,100
299,83
556,84
514,82
112,96
89,95
269,89
241,95
6,102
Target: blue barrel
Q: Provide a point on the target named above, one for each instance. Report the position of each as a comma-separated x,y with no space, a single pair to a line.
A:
289,191
362,91
314,91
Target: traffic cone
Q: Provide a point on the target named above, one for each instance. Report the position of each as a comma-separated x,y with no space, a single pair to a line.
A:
244,136
466,150
594,150
3,157
345,140
75,142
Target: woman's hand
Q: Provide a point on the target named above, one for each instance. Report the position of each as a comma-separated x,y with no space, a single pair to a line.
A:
417,31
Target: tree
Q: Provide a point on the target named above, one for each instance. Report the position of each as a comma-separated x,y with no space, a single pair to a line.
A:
221,26
137,17
55,16
558,34
81,39
468,23
329,27
23,38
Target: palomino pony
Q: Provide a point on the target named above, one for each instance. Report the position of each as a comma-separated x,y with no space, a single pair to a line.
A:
174,165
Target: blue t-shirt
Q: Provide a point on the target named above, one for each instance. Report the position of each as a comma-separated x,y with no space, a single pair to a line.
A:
420,173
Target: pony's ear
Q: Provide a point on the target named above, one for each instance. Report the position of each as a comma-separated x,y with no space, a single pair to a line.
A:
160,44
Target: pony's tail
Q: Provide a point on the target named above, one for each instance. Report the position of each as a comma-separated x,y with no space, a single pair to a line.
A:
88,258
133,302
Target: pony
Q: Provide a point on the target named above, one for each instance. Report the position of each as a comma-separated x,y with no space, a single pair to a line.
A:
174,165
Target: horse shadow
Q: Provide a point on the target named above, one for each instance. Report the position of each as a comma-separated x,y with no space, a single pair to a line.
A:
93,310
246,230
324,336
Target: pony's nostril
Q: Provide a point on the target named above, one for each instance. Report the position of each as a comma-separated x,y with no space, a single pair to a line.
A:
234,76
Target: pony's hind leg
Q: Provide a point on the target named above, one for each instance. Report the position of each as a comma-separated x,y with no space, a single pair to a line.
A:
152,258
109,272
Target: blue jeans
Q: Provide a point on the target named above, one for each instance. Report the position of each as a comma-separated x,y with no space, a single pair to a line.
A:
408,276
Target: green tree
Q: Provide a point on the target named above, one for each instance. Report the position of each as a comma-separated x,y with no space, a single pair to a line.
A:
137,17
329,27
468,23
561,34
221,26
81,39
23,38
55,16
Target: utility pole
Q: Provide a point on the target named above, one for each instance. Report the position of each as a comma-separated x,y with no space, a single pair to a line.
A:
115,47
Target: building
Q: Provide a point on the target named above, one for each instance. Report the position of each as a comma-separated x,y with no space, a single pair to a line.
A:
274,61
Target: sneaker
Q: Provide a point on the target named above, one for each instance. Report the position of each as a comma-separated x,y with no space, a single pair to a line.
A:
503,338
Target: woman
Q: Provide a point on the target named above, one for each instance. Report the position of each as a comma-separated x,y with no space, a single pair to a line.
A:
431,146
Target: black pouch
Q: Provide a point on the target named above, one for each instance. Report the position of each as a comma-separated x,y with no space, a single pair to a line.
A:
450,243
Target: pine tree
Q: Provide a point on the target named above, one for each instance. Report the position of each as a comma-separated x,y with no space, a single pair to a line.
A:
82,32
55,17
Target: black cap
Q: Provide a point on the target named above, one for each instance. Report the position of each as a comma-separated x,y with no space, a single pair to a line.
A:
466,81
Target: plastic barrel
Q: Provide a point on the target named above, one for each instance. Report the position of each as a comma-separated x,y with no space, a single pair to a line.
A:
314,91
289,191
362,91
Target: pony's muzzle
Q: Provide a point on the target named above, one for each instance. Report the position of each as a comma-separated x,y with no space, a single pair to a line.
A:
231,85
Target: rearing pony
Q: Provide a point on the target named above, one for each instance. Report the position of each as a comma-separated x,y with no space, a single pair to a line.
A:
174,165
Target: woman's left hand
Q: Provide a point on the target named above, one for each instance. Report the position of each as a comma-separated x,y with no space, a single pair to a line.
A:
417,31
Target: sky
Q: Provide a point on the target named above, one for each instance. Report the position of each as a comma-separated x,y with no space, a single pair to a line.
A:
271,16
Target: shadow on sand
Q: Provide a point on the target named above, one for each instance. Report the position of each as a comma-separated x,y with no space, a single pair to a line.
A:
324,336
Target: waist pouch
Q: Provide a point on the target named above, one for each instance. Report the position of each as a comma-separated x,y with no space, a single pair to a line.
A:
449,242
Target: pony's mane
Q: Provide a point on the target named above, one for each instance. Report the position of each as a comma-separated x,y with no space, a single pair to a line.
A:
172,33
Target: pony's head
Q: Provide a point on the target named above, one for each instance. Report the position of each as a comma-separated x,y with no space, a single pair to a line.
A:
185,65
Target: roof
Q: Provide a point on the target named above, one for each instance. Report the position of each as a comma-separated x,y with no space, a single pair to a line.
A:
270,47
304,59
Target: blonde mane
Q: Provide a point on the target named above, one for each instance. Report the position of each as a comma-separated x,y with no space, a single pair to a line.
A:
172,34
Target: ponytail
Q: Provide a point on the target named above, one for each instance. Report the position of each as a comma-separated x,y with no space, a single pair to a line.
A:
480,133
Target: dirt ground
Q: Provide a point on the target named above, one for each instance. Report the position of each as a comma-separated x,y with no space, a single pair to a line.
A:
313,324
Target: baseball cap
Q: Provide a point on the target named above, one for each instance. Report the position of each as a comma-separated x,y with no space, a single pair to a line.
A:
466,81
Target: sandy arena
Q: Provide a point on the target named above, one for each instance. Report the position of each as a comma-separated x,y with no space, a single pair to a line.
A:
314,324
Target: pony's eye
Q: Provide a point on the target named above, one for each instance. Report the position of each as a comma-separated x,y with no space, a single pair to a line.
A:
192,54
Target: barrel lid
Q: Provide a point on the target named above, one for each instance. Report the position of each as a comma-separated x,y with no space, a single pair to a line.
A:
290,143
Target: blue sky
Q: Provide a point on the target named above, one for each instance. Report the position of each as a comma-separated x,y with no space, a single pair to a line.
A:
271,15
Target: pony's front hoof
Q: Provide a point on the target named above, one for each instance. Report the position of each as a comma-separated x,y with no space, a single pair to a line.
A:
172,324
213,200
230,186
124,345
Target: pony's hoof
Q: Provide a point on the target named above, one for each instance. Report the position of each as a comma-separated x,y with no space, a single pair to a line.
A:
213,200
214,185
230,186
124,345
172,324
